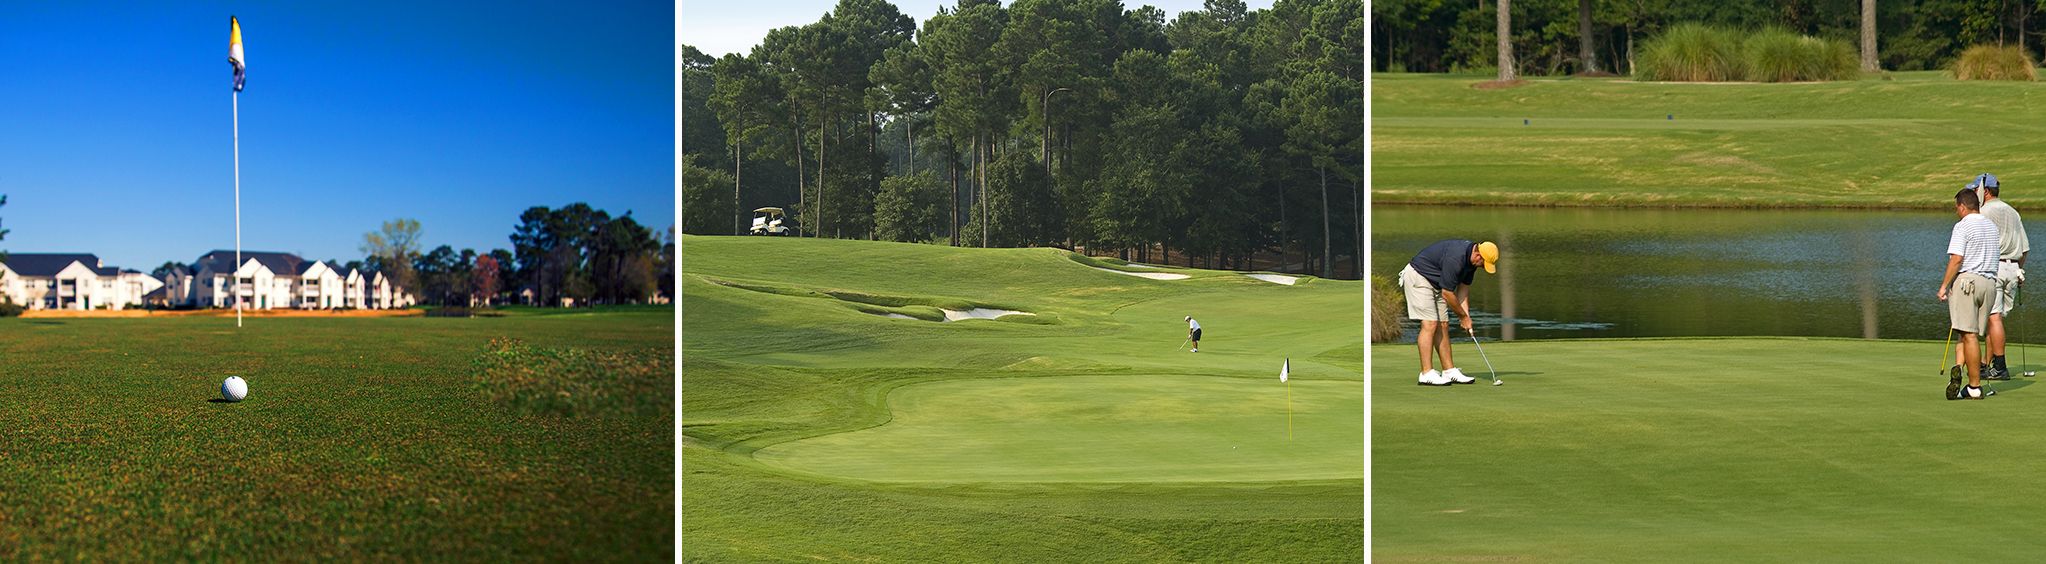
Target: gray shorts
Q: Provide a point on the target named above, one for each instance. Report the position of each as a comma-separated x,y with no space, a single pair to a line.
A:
1968,302
2007,276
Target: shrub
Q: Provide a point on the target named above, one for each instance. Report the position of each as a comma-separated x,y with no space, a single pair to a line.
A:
10,309
1691,52
1388,306
1694,52
1776,55
1991,62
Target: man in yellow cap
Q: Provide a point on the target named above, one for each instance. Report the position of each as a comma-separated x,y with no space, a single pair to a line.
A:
1438,280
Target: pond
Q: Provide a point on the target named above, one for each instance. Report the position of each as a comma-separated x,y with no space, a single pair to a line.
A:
1613,272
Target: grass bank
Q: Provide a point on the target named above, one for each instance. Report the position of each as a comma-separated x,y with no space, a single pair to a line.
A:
1701,450
817,429
1903,143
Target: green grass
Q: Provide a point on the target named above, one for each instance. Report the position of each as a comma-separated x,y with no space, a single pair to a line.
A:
813,428
1909,142
361,439
1746,450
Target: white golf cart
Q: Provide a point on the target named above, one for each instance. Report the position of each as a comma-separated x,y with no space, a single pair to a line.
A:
770,221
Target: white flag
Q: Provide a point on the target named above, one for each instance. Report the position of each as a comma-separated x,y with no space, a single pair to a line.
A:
1283,368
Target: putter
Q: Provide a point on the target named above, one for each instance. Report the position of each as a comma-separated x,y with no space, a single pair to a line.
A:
2024,352
1488,360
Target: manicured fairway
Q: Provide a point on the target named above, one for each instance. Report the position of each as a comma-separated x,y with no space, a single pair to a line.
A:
1739,450
1865,143
815,427
362,439
1123,428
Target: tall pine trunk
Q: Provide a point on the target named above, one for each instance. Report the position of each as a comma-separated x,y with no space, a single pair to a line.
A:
802,194
952,221
1587,57
738,208
1326,256
1868,37
1505,33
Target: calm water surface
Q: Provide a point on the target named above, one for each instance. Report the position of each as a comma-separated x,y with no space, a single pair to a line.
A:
1574,273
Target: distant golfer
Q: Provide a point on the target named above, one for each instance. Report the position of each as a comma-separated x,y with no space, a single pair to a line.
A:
1968,286
1193,333
2012,246
1437,281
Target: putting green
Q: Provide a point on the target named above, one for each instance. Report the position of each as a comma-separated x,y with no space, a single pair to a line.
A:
1736,450
1098,429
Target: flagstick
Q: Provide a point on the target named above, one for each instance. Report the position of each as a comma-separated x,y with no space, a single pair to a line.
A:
237,209
1289,411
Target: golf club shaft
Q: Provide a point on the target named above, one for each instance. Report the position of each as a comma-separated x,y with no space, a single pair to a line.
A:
1481,354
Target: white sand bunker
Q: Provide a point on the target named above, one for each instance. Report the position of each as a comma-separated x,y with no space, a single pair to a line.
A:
1150,275
894,316
980,313
1275,279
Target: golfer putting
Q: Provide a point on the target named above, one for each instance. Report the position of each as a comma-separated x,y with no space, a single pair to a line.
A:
1968,287
1436,281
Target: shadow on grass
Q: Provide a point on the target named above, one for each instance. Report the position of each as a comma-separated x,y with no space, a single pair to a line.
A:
44,322
219,400
2007,386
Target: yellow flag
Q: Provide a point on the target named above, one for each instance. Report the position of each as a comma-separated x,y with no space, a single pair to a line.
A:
234,50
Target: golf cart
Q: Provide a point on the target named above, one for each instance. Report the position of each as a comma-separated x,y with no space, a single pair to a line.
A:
769,221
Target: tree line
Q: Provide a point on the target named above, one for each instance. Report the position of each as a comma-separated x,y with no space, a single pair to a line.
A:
1219,135
1555,37
574,251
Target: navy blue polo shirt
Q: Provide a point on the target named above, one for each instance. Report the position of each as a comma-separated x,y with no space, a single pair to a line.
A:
1446,263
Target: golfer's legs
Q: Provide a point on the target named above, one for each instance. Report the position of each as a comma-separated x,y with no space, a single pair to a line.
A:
1971,357
1427,344
1995,334
1442,337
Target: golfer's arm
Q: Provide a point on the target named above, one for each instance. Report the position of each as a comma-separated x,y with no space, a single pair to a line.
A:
1953,269
1455,301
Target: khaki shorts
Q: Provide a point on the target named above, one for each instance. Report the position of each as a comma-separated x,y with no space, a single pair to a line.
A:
1968,302
2007,276
1424,302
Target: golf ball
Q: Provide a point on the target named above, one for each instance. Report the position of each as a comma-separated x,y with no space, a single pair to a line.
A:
234,389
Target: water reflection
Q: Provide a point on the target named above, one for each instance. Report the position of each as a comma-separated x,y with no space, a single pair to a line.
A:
1570,273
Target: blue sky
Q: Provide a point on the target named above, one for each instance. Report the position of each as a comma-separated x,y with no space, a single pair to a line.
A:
717,27
116,122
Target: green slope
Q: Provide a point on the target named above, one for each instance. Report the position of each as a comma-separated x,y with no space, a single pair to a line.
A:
1747,450
1908,142
814,427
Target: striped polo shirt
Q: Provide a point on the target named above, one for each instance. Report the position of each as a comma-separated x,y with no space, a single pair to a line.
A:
1976,240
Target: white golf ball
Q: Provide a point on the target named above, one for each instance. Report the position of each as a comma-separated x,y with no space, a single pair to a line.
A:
234,389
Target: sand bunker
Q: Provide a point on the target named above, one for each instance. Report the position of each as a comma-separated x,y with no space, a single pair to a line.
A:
894,316
980,313
1135,265
1150,275
1275,279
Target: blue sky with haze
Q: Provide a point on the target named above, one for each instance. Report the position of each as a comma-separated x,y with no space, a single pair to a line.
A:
115,122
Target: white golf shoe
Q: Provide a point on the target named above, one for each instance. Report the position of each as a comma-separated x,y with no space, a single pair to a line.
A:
1433,378
1455,376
